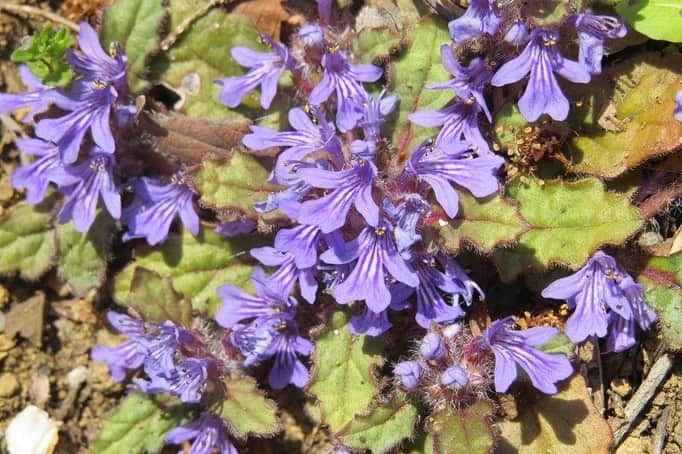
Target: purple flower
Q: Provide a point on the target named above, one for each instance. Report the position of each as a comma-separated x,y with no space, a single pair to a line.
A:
599,287
454,377
36,176
479,19
622,332
517,34
677,112
459,121
324,10
185,381
269,330
89,104
370,323
265,69
592,30
431,347
307,138
431,307
288,272
374,110
344,79
207,431
351,186
541,58
235,228
94,64
456,274
450,162
406,216
37,97
377,261
82,186
160,204
408,372
467,82
312,35
512,348
129,355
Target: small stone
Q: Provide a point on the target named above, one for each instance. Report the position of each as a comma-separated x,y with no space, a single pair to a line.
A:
621,386
4,296
32,431
9,385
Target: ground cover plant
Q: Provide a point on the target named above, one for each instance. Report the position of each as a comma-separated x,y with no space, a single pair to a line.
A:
351,226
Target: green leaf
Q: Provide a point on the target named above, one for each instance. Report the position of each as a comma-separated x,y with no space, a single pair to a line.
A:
566,422
568,222
409,75
641,122
383,428
139,424
43,52
135,25
82,261
343,379
232,184
662,278
28,243
657,19
484,223
156,300
549,12
469,431
376,44
202,54
246,410
195,266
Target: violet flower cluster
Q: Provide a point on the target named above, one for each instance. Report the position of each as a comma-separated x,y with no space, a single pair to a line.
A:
452,367
355,222
606,301
541,58
77,150
172,360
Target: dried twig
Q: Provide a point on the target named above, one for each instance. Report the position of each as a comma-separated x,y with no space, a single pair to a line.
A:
660,435
647,390
173,36
45,14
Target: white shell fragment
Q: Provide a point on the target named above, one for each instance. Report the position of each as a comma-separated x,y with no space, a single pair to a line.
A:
32,432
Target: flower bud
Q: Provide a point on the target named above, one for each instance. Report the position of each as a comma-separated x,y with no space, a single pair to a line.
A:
432,347
454,377
408,372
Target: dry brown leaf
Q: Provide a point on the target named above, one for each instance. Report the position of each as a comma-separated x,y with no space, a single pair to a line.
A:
565,423
267,15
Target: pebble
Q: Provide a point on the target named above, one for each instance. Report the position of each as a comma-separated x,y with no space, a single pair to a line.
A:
621,386
9,385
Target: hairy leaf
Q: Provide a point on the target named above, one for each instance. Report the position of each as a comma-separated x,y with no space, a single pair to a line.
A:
568,222
662,278
566,422
156,300
376,44
637,112
28,243
467,431
246,410
560,343
82,261
484,223
657,19
195,266
139,425
383,428
232,184
343,378
418,66
135,25
201,54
